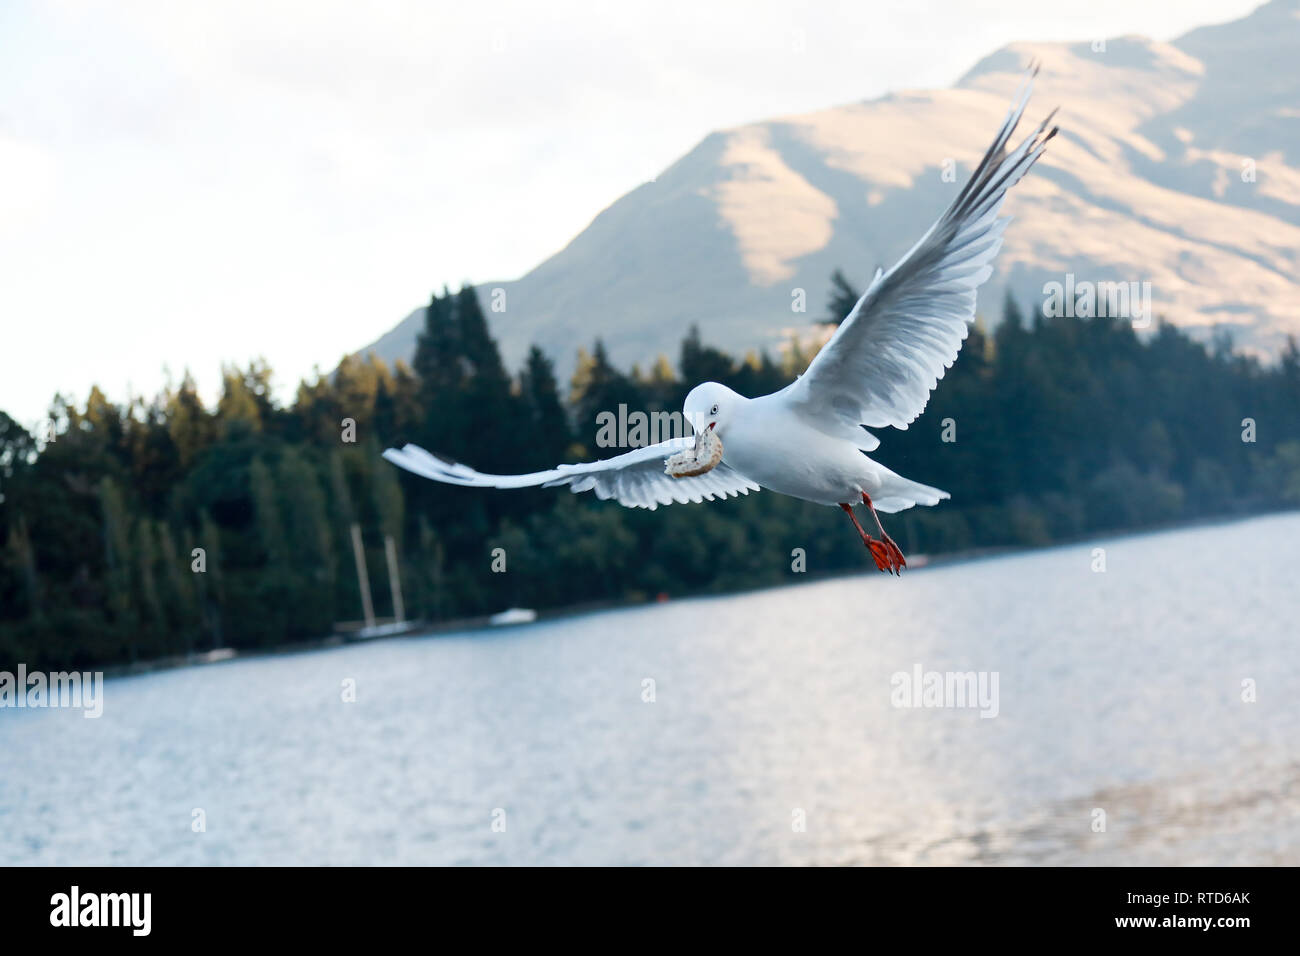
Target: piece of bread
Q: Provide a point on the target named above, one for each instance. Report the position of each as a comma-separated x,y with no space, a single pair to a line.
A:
685,464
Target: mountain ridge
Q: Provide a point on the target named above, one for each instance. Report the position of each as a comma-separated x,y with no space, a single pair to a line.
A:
1178,165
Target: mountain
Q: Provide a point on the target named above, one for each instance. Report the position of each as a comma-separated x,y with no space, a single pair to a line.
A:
1177,165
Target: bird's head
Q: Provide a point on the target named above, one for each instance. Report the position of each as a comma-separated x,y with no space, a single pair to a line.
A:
710,406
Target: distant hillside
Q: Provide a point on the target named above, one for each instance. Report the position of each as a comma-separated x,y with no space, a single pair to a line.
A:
1177,164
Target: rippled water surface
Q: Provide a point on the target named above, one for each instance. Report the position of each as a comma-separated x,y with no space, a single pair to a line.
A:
1118,691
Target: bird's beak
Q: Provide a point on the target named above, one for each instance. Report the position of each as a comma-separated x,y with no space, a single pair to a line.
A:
700,437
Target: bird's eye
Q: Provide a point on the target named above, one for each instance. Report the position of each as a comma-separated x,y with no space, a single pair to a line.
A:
713,410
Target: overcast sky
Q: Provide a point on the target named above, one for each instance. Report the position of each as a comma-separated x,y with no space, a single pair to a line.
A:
183,183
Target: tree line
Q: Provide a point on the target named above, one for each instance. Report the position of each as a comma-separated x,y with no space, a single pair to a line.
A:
161,526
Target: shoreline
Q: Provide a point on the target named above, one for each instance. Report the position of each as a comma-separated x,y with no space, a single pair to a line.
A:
480,623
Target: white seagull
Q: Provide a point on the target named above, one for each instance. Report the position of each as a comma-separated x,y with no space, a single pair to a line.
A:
810,439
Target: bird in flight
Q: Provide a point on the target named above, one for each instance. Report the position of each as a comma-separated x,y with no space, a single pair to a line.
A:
810,439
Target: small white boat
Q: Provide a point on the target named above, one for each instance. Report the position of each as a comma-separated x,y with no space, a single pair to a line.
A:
214,656
515,615
384,630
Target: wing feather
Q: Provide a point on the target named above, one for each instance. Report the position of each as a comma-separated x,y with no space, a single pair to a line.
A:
635,479
887,356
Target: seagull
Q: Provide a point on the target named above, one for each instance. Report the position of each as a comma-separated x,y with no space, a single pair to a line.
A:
810,439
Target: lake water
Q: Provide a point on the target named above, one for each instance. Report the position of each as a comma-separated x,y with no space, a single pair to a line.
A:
772,736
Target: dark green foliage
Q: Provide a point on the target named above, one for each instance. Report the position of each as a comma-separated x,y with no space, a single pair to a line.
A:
599,387
842,299
544,420
1063,428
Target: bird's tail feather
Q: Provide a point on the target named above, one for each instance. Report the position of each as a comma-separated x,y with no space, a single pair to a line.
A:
899,494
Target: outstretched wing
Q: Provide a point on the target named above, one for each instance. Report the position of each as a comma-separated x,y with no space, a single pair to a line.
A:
883,361
635,480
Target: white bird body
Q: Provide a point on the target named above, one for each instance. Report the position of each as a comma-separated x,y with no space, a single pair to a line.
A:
810,439
828,470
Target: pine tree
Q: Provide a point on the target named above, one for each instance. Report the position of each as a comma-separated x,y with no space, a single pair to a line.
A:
191,428
310,546
212,594
23,557
104,419
146,555
407,413
597,387
277,595
117,556
1011,313
339,491
441,372
486,402
430,590
177,589
1289,363
842,299
384,424
386,491
266,505
703,363
478,348
437,347
238,406
17,448
545,421
306,521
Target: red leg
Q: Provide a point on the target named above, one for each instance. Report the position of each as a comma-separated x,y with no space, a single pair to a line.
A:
879,550
897,561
